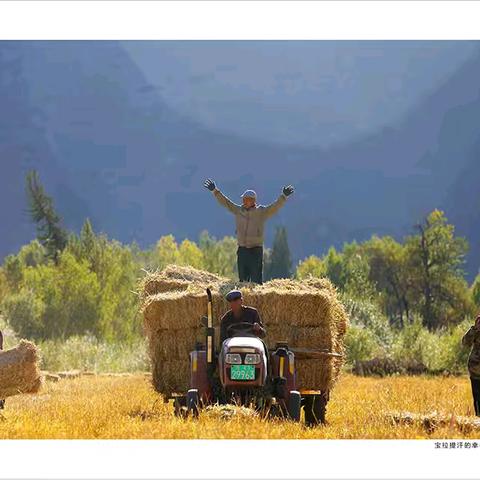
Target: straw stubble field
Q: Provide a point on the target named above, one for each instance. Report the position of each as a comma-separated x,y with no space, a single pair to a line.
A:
307,314
127,407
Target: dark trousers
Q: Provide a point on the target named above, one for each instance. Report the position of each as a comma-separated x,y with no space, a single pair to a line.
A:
250,264
476,394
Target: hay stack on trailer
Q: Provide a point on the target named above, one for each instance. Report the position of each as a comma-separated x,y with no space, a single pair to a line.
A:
176,277
19,372
306,314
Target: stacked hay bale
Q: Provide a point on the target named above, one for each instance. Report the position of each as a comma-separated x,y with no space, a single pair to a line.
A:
19,372
305,314
176,277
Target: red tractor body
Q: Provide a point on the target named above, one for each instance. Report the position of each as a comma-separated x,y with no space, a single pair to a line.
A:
245,372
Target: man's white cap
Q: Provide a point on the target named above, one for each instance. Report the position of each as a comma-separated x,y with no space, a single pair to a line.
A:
249,194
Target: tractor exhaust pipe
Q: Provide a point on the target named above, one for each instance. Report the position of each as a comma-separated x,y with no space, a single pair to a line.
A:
210,340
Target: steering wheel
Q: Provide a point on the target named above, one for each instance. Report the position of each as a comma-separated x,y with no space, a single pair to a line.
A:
240,328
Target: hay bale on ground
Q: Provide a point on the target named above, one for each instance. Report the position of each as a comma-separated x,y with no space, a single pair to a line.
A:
51,377
19,372
70,374
384,366
432,421
306,314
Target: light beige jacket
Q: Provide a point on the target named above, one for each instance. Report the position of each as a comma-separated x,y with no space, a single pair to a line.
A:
250,222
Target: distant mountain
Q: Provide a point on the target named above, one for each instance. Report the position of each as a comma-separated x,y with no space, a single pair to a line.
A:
109,146
316,93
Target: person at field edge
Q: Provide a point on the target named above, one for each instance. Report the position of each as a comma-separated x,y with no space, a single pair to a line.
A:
250,221
240,313
2,401
472,339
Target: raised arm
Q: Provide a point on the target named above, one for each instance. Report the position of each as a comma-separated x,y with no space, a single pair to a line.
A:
222,199
226,202
274,207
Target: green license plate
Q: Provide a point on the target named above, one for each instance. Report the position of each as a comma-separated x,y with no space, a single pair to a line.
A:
242,372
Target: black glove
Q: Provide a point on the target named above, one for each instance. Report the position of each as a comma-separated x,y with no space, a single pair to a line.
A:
210,184
287,190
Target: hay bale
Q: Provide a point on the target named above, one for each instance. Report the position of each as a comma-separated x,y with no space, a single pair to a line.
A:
19,372
70,374
434,420
306,314
51,377
171,376
384,366
176,277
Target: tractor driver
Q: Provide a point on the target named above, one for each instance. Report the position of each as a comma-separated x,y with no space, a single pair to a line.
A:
240,313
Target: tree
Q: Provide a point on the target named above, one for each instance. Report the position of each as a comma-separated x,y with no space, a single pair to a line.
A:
220,256
280,265
42,211
349,270
475,291
435,260
311,266
66,301
388,273
189,254
357,273
90,247
24,312
335,268
116,271
4,288
167,251
13,271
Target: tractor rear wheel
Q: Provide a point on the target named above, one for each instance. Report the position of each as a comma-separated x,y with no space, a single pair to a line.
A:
294,405
315,407
193,402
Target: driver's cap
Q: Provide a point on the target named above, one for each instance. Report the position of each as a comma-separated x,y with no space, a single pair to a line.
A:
233,295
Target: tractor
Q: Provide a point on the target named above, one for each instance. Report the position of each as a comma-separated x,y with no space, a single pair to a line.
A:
245,372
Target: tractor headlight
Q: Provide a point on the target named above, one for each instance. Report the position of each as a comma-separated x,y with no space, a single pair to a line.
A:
252,358
234,358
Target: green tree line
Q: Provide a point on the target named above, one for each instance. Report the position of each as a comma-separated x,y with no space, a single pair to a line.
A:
419,277
64,285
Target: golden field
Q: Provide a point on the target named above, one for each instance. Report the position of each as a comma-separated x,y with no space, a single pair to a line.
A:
106,407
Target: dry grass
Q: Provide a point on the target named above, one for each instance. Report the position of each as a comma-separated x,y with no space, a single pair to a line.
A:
127,407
